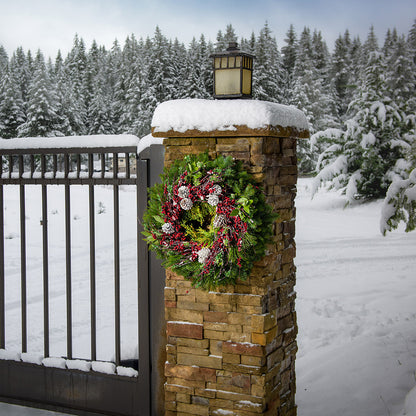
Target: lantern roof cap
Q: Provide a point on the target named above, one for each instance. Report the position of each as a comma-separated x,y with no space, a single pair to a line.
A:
232,50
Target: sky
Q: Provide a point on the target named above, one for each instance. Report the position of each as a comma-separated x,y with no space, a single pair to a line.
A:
52,24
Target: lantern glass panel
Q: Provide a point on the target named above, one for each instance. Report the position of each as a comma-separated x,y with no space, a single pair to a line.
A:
224,62
246,82
231,62
227,81
237,61
217,62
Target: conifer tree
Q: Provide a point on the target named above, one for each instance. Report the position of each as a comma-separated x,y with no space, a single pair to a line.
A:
342,74
289,51
411,41
4,61
362,160
198,70
269,77
11,106
178,69
22,72
42,117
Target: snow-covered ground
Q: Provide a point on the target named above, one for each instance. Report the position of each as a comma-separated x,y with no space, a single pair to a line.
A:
356,310
356,297
80,270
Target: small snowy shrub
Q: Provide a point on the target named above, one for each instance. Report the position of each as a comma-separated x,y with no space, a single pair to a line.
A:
400,204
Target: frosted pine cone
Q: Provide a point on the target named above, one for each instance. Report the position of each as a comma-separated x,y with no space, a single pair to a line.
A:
213,200
186,204
216,189
219,221
167,228
183,192
203,254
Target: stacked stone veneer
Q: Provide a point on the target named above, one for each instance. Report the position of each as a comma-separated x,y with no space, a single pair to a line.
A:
232,351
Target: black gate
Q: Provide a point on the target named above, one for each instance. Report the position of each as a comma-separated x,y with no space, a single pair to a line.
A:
117,387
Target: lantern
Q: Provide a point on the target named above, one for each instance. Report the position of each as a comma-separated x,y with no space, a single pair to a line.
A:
233,71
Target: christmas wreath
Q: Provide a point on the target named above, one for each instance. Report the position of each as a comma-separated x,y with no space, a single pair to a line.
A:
208,220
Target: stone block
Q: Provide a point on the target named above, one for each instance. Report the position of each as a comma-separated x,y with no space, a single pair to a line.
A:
238,336
215,335
210,361
192,350
183,398
255,361
231,358
194,343
193,409
212,316
185,315
170,293
192,305
170,304
190,372
205,393
176,388
203,401
184,330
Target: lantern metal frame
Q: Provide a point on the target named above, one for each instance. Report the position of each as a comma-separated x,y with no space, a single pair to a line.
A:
231,60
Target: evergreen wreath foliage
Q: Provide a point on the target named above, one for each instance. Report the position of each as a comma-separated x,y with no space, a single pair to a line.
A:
208,220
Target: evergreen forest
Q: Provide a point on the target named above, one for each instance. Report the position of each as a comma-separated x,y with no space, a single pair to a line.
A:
359,98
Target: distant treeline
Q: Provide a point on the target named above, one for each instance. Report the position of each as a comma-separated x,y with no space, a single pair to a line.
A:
99,91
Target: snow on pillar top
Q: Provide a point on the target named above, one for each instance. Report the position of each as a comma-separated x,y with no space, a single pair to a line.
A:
227,118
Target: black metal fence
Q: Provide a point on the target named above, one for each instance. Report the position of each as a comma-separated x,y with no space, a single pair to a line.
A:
114,166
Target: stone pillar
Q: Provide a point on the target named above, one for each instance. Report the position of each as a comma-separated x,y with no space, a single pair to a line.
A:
232,351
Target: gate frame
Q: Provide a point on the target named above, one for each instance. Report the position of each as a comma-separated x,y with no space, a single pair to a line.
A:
72,391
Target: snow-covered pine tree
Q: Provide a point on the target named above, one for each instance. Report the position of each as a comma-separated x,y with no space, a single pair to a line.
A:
11,106
130,117
400,204
178,65
341,74
249,45
76,64
362,159
67,108
21,69
223,39
100,115
289,51
43,119
310,95
269,75
401,75
198,69
411,41
4,61
124,75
